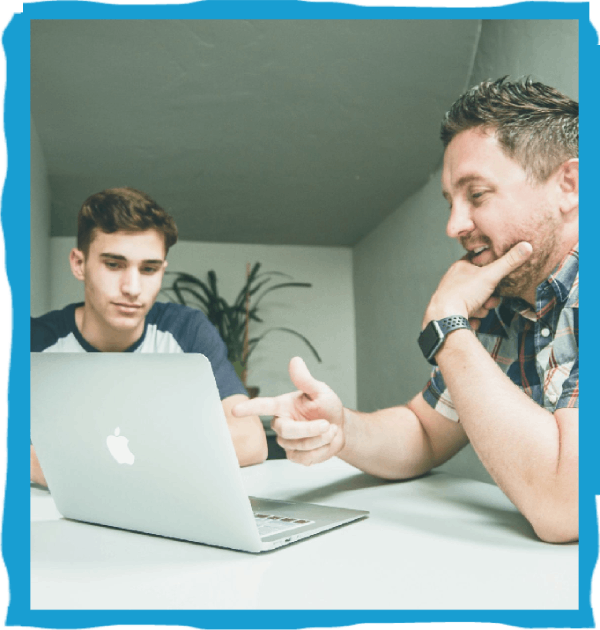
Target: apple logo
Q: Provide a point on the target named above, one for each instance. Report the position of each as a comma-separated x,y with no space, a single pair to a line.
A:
119,449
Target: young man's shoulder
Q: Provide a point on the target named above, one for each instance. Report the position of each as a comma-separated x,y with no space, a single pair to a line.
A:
188,328
177,328
52,327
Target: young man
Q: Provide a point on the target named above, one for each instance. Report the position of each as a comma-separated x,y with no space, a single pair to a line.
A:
511,388
123,239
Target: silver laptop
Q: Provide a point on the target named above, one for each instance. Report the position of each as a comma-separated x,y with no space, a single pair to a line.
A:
140,442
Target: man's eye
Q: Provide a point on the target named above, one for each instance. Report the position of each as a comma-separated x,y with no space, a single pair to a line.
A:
111,264
149,269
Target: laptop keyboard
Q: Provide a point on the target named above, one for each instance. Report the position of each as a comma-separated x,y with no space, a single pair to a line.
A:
269,524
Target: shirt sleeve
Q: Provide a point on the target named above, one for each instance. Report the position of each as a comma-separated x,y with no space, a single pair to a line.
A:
228,382
436,394
195,333
45,331
38,335
569,398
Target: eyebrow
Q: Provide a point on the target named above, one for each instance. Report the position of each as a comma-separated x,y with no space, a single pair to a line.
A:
150,261
463,181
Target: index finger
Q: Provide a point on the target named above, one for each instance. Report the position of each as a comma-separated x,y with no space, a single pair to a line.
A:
257,407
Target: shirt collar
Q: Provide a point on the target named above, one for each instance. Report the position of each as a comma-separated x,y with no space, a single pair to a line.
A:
565,275
557,285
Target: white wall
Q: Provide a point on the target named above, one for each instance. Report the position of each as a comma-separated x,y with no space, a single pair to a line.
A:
40,228
548,50
398,265
396,269
324,313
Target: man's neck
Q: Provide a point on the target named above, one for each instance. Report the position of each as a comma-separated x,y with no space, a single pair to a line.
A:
101,337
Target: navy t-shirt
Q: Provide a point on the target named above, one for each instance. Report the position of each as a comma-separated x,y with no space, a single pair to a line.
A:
168,328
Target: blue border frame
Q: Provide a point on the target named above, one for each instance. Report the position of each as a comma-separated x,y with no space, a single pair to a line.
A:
16,227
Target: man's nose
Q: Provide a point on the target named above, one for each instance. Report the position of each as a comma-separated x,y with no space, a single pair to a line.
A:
460,222
131,284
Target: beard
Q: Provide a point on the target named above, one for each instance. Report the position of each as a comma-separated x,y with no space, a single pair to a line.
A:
543,236
531,273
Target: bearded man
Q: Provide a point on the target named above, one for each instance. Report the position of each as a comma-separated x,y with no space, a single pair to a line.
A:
501,328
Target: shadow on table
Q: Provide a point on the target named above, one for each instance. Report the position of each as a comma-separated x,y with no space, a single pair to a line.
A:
469,510
492,528
358,481
463,503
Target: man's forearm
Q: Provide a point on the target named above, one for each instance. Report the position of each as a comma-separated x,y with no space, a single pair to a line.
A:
248,435
249,440
519,442
389,443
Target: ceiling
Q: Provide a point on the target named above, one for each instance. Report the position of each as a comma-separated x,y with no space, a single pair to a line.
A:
268,131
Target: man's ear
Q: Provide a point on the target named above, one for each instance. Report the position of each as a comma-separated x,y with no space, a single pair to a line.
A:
77,262
568,181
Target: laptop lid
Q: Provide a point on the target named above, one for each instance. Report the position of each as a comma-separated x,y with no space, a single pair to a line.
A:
139,441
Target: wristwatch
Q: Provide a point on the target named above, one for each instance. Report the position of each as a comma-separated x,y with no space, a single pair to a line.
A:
433,335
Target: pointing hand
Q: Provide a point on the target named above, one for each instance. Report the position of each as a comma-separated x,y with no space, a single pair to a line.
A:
308,422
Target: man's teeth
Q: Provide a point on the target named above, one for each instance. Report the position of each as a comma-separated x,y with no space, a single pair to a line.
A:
479,250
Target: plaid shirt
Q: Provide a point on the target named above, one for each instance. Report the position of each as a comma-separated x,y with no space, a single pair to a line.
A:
538,350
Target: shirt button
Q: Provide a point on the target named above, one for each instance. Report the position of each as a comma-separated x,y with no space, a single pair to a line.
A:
552,398
545,332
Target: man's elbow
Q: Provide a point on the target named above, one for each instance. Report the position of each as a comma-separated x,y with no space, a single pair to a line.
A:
556,526
557,535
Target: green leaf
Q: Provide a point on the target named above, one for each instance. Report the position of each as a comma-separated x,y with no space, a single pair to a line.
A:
187,279
281,286
212,281
247,287
230,320
274,273
181,291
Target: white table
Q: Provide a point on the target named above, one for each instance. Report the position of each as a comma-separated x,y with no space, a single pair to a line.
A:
435,543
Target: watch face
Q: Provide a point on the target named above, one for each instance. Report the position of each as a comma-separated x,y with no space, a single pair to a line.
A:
429,339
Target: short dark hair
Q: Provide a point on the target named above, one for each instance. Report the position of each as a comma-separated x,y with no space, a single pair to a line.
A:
122,209
536,125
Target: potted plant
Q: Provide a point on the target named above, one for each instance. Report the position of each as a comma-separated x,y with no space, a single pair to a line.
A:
232,320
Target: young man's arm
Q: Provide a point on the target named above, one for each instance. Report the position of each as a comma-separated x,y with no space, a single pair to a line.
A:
249,438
